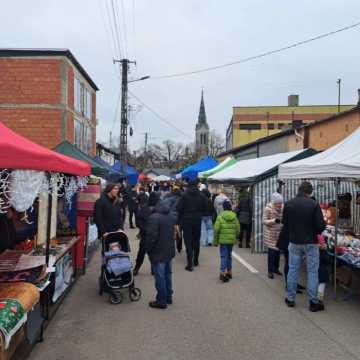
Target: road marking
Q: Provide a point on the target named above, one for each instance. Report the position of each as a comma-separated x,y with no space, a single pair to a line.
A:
245,263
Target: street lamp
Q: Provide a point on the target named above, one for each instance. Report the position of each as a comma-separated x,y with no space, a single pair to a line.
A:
142,78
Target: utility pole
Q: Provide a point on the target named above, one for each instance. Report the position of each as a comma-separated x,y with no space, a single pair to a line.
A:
124,113
339,93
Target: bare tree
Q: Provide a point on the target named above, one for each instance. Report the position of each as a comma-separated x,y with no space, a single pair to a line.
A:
216,144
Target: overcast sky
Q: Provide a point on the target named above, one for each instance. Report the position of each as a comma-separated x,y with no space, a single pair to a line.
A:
175,36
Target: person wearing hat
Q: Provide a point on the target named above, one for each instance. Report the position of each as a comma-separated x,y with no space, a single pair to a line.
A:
272,216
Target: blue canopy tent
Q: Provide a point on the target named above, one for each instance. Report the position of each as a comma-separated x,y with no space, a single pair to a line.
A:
113,175
191,172
131,174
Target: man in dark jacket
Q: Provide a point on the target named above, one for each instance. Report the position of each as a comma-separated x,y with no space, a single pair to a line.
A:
146,208
303,219
108,211
160,247
191,208
132,206
244,213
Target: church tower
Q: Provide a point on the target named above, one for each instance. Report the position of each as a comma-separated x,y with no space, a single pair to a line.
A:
202,131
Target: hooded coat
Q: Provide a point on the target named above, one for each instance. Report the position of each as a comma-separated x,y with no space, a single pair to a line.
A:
271,227
226,228
159,241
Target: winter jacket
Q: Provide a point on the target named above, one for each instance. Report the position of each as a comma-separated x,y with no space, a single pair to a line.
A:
226,228
304,220
172,201
142,217
191,205
218,203
108,215
271,227
159,240
244,210
8,233
132,202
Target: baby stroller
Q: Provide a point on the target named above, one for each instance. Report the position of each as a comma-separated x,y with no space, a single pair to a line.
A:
112,281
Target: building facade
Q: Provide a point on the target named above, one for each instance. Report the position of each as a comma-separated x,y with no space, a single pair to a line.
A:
202,132
319,135
48,97
249,124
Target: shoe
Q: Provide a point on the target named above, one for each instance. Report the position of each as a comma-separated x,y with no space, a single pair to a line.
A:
300,287
136,271
298,291
189,268
289,303
270,275
169,302
229,274
196,262
209,245
315,307
223,277
156,305
278,273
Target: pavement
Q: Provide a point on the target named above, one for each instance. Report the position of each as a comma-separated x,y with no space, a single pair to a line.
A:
244,319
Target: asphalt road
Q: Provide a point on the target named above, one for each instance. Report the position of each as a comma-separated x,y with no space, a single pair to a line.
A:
245,319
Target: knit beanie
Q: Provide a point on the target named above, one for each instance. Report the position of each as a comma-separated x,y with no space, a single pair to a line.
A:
277,198
227,205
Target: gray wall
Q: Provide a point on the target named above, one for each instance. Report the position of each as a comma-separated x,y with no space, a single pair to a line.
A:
274,146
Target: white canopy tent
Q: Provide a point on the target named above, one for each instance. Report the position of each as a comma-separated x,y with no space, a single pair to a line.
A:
162,178
248,171
341,161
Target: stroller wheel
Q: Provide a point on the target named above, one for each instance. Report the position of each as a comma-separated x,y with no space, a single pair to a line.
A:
100,287
134,294
115,298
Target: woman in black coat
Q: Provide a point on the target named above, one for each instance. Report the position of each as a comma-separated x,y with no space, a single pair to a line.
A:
108,214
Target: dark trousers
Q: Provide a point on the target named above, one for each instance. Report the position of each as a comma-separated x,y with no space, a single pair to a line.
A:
192,233
163,282
286,264
141,252
132,213
245,230
273,260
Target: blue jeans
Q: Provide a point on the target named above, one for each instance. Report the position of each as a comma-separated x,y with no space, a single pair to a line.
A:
163,282
207,231
296,253
225,258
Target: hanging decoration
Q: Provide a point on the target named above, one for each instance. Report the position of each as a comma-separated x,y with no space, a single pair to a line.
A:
25,185
4,190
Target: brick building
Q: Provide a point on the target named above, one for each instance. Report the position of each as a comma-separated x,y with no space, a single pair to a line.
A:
250,123
319,135
48,97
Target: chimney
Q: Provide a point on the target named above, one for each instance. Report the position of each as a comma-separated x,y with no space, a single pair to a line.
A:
358,97
293,100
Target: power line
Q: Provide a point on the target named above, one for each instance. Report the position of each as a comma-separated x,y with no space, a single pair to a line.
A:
241,61
124,25
110,43
159,116
116,26
134,27
116,111
110,18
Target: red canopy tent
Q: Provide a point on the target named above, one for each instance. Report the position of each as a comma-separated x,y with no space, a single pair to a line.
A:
143,178
17,152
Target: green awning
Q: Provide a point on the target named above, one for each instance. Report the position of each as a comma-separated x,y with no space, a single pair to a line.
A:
71,150
223,165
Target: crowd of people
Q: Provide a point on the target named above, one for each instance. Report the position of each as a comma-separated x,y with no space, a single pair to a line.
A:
168,215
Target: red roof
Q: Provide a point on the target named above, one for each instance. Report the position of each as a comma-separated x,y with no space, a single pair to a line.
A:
17,152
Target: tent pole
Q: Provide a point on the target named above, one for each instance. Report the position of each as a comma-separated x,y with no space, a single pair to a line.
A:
48,229
337,183
252,239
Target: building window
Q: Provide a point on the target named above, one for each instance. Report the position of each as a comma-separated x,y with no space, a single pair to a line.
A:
77,95
78,133
281,125
82,98
270,126
87,103
250,127
87,143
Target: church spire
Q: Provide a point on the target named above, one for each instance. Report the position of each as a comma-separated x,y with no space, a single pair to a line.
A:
202,113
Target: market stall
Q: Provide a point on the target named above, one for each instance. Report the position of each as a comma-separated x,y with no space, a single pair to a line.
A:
131,174
222,166
340,166
113,175
31,179
260,175
191,172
